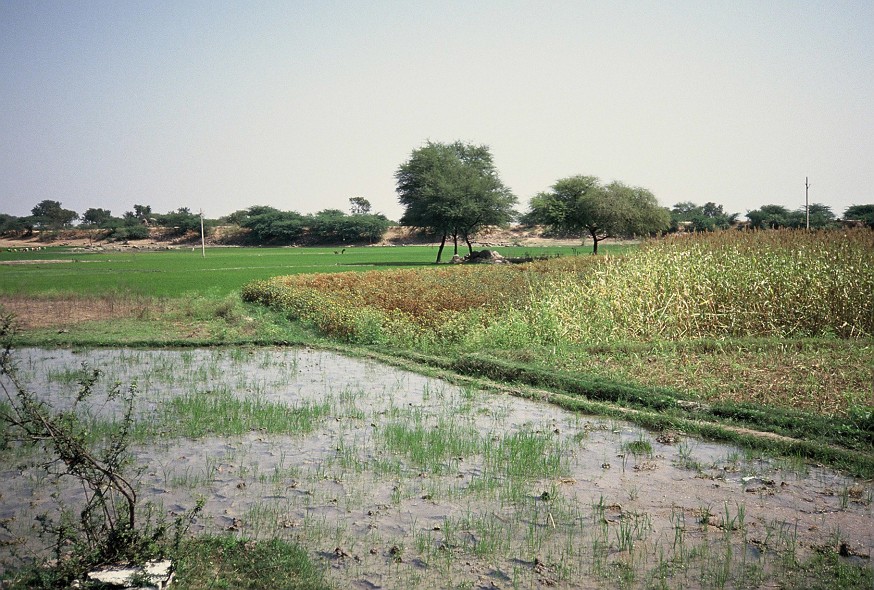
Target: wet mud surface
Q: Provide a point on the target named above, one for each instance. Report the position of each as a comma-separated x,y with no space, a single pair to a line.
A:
408,482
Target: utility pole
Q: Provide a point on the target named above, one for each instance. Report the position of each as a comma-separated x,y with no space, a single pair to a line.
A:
202,237
807,202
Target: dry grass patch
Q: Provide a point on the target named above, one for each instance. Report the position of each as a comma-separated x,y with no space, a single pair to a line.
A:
59,311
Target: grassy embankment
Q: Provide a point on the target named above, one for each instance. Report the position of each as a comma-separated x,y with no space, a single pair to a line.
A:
713,335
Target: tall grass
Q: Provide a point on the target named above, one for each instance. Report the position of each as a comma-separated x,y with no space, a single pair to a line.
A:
727,284
788,283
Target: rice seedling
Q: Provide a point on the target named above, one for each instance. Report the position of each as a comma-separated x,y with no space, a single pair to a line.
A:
196,415
844,497
730,523
488,536
68,376
704,515
639,447
191,478
518,516
678,524
231,561
633,526
434,448
525,454
782,537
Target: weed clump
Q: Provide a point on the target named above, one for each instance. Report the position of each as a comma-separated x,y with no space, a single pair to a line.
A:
105,529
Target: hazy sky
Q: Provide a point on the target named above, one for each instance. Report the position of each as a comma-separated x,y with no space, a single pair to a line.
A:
302,105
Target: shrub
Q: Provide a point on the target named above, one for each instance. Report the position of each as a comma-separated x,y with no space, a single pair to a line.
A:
129,232
106,529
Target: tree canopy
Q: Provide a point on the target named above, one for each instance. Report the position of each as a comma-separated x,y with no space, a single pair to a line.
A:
334,226
582,205
863,213
96,217
453,190
707,217
50,215
178,222
143,212
270,225
777,216
359,206
12,223
821,216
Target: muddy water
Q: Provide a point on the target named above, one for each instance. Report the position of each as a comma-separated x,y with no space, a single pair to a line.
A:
534,497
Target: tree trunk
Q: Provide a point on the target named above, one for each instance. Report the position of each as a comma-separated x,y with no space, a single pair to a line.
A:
595,240
469,245
455,241
440,250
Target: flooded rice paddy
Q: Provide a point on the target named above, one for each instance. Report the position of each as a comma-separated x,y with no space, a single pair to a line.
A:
395,480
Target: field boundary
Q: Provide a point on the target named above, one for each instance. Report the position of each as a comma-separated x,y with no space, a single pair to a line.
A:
858,463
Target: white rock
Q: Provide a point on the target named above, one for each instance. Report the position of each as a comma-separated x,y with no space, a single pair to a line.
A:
157,573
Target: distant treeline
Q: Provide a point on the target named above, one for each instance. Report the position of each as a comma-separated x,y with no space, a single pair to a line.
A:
261,224
688,216
267,225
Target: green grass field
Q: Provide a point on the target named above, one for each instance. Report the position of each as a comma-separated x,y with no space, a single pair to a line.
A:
65,296
183,273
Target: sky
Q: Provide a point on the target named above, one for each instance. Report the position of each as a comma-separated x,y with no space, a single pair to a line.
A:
302,105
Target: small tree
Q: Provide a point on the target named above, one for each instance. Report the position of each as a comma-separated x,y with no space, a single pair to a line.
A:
366,228
821,217
582,205
270,225
179,222
708,217
143,213
771,217
334,226
11,223
96,217
359,206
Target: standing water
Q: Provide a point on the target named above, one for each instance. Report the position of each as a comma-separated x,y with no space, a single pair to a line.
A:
395,480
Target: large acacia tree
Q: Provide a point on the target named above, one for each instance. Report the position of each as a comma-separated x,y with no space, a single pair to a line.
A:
582,205
453,190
